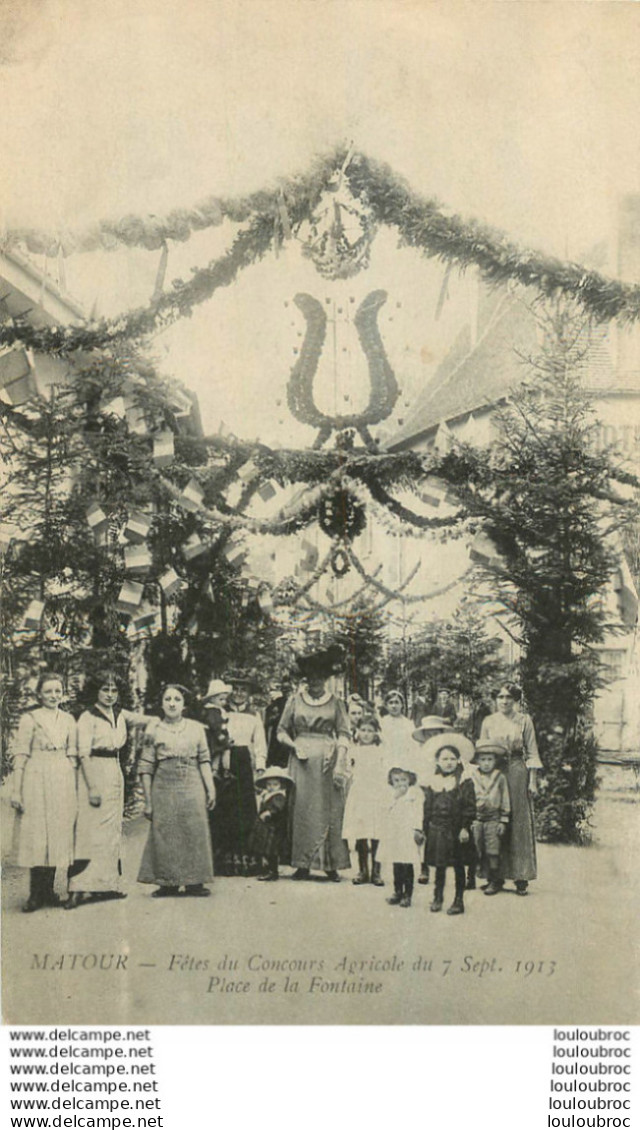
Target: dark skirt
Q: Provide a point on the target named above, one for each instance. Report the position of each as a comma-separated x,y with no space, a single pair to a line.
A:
443,845
520,845
234,816
178,849
317,810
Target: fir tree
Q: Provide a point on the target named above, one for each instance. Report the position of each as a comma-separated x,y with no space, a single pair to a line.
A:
548,501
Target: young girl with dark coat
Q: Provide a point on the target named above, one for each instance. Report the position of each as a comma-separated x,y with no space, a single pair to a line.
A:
449,811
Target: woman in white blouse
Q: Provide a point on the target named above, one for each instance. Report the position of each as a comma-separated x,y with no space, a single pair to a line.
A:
45,758
102,735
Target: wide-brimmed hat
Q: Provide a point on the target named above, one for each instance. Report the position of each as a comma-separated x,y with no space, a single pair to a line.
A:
321,664
274,773
429,723
463,747
216,687
499,749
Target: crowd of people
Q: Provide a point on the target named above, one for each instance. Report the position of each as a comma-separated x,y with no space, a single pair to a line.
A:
318,785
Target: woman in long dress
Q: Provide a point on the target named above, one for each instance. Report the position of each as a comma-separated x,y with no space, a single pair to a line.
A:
175,770
315,726
44,795
239,753
515,732
102,736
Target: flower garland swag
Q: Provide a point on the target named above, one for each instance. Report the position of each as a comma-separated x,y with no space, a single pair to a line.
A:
420,222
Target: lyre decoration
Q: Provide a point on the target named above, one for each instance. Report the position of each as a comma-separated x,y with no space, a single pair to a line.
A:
384,389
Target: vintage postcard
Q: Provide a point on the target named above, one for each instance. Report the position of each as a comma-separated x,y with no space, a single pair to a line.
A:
320,407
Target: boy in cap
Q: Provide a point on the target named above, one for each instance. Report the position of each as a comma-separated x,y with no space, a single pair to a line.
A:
493,811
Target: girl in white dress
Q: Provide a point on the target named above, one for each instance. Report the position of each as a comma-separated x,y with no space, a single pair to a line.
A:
366,800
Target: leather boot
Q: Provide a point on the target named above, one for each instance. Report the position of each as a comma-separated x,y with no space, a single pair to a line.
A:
457,906
376,877
363,864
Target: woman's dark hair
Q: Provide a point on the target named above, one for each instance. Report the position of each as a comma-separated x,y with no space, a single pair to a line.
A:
512,689
49,677
98,679
184,691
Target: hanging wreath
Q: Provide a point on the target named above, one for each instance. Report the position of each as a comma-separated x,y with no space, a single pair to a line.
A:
340,562
341,231
340,515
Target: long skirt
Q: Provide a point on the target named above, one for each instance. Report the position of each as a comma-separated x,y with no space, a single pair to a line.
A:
317,810
520,847
178,849
99,830
235,813
44,831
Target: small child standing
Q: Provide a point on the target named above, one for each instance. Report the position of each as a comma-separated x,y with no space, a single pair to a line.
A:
449,811
366,799
269,837
493,810
401,835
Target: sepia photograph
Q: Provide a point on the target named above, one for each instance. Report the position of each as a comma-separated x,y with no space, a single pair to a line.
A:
320,512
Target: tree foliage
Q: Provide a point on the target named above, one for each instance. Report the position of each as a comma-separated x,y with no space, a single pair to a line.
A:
548,501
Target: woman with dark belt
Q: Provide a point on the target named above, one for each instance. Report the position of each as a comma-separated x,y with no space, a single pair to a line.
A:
516,733
102,737
239,751
315,726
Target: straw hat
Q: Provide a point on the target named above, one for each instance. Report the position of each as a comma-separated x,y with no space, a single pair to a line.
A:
463,747
216,687
274,773
429,724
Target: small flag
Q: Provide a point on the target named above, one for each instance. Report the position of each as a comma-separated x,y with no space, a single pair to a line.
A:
170,582
17,377
148,618
247,471
137,421
96,517
267,491
137,559
163,449
34,614
434,492
101,537
265,602
192,496
483,551
130,597
234,550
194,547
137,527
310,556
115,407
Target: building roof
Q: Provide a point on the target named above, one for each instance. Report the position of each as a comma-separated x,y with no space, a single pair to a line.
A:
475,376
